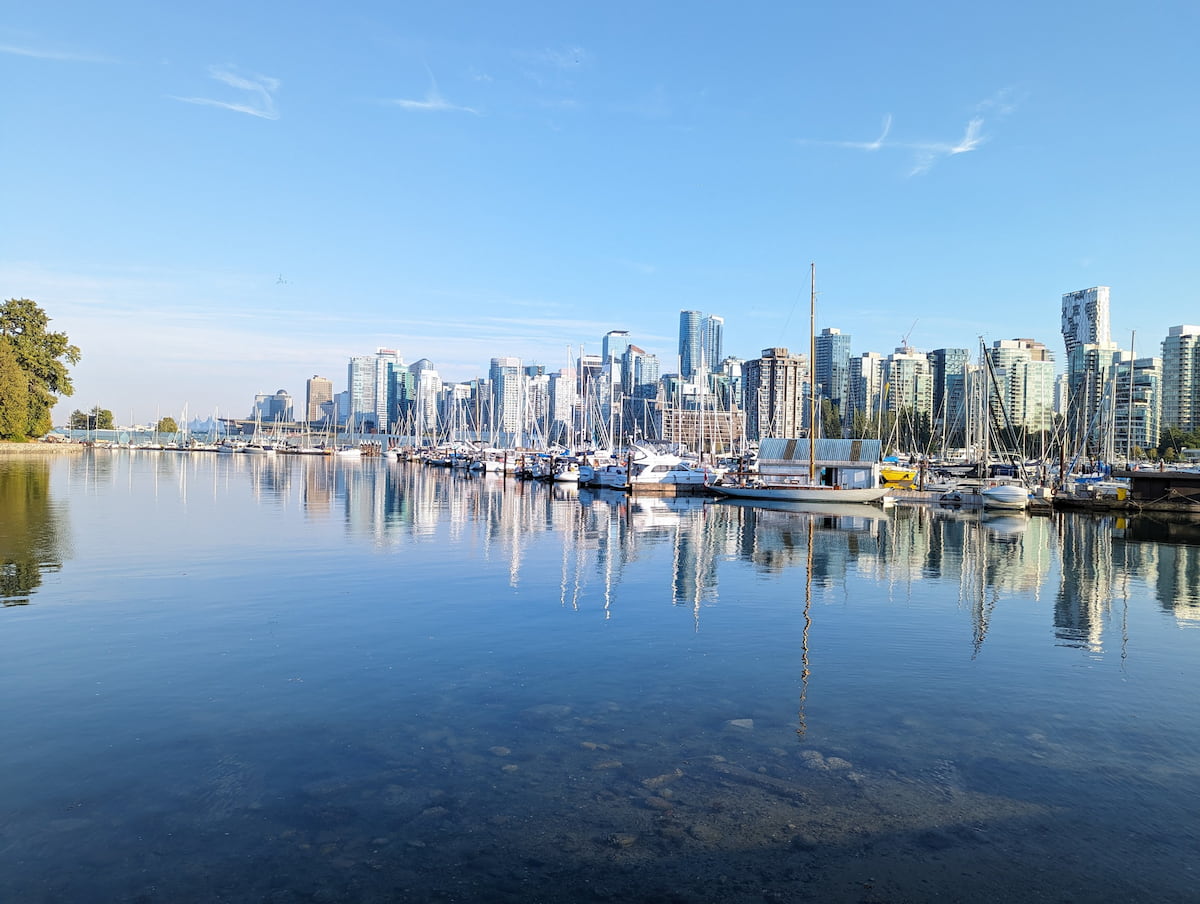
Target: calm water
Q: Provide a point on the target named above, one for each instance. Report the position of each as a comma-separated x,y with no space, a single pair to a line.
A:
231,678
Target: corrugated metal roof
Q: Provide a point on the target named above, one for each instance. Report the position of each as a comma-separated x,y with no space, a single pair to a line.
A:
867,451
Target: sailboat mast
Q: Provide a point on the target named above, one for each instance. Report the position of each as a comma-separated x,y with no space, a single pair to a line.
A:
812,373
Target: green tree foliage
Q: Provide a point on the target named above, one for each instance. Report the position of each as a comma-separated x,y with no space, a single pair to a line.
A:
831,420
167,425
14,395
1172,440
41,357
97,419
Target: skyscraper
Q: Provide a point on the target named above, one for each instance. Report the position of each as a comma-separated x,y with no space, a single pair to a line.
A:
1181,378
776,399
713,330
369,380
833,368
318,399
615,343
1085,318
691,343
949,367
506,377
1024,372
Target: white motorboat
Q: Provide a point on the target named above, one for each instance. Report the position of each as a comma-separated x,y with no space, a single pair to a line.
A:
1013,496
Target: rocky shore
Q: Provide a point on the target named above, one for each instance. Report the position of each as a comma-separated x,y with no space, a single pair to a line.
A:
40,448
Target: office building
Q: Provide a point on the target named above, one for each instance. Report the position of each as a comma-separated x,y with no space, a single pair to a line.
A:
318,400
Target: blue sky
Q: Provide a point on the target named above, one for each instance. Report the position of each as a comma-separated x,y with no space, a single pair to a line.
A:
220,199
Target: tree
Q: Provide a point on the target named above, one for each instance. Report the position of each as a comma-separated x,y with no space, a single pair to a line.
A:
167,425
97,419
14,395
831,420
41,357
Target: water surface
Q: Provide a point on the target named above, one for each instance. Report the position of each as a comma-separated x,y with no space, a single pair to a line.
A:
288,679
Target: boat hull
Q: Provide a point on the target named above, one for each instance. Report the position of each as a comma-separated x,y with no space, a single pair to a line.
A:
804,494
1005,496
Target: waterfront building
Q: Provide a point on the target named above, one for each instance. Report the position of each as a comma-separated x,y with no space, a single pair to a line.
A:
1138,410
370,382
776,394
701,429
909,382
714,339
1085,318
832,368
318,400
1181,378
1089,409
691,343
867,384
949,391
614,345
275,408
507,380
417,389
1025,378
639,372
563,401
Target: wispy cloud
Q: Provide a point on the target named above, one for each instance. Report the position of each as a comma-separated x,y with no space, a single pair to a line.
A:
260,88
570,57
433,102
65,56
927,153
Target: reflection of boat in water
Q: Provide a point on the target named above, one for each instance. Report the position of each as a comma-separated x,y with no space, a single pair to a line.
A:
827,509
1004,522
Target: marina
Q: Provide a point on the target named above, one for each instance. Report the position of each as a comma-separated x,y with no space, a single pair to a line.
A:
266,677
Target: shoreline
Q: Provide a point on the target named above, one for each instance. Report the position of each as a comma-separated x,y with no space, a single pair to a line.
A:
40,448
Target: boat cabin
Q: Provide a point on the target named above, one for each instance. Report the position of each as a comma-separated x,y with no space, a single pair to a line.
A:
846,463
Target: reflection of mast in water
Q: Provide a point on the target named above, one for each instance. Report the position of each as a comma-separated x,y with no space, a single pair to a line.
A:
974,584
802,725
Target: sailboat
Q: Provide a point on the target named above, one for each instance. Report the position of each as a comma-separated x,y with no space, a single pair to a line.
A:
810,486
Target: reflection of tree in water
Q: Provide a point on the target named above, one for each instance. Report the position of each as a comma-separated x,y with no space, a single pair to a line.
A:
30,533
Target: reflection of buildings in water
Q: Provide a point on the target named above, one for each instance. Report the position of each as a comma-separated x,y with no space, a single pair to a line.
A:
317,486
33,529
1088,581
1178,584
599,534
1164,555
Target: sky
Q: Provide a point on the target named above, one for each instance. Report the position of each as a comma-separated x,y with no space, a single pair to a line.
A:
222,199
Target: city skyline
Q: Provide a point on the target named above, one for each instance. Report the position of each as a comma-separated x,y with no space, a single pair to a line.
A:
213,203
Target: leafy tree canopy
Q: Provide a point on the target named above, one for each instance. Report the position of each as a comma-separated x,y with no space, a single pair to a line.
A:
167,425
41,359
14,395
97,419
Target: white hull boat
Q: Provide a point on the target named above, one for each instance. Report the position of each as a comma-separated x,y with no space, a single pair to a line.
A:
1009,496
801,493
